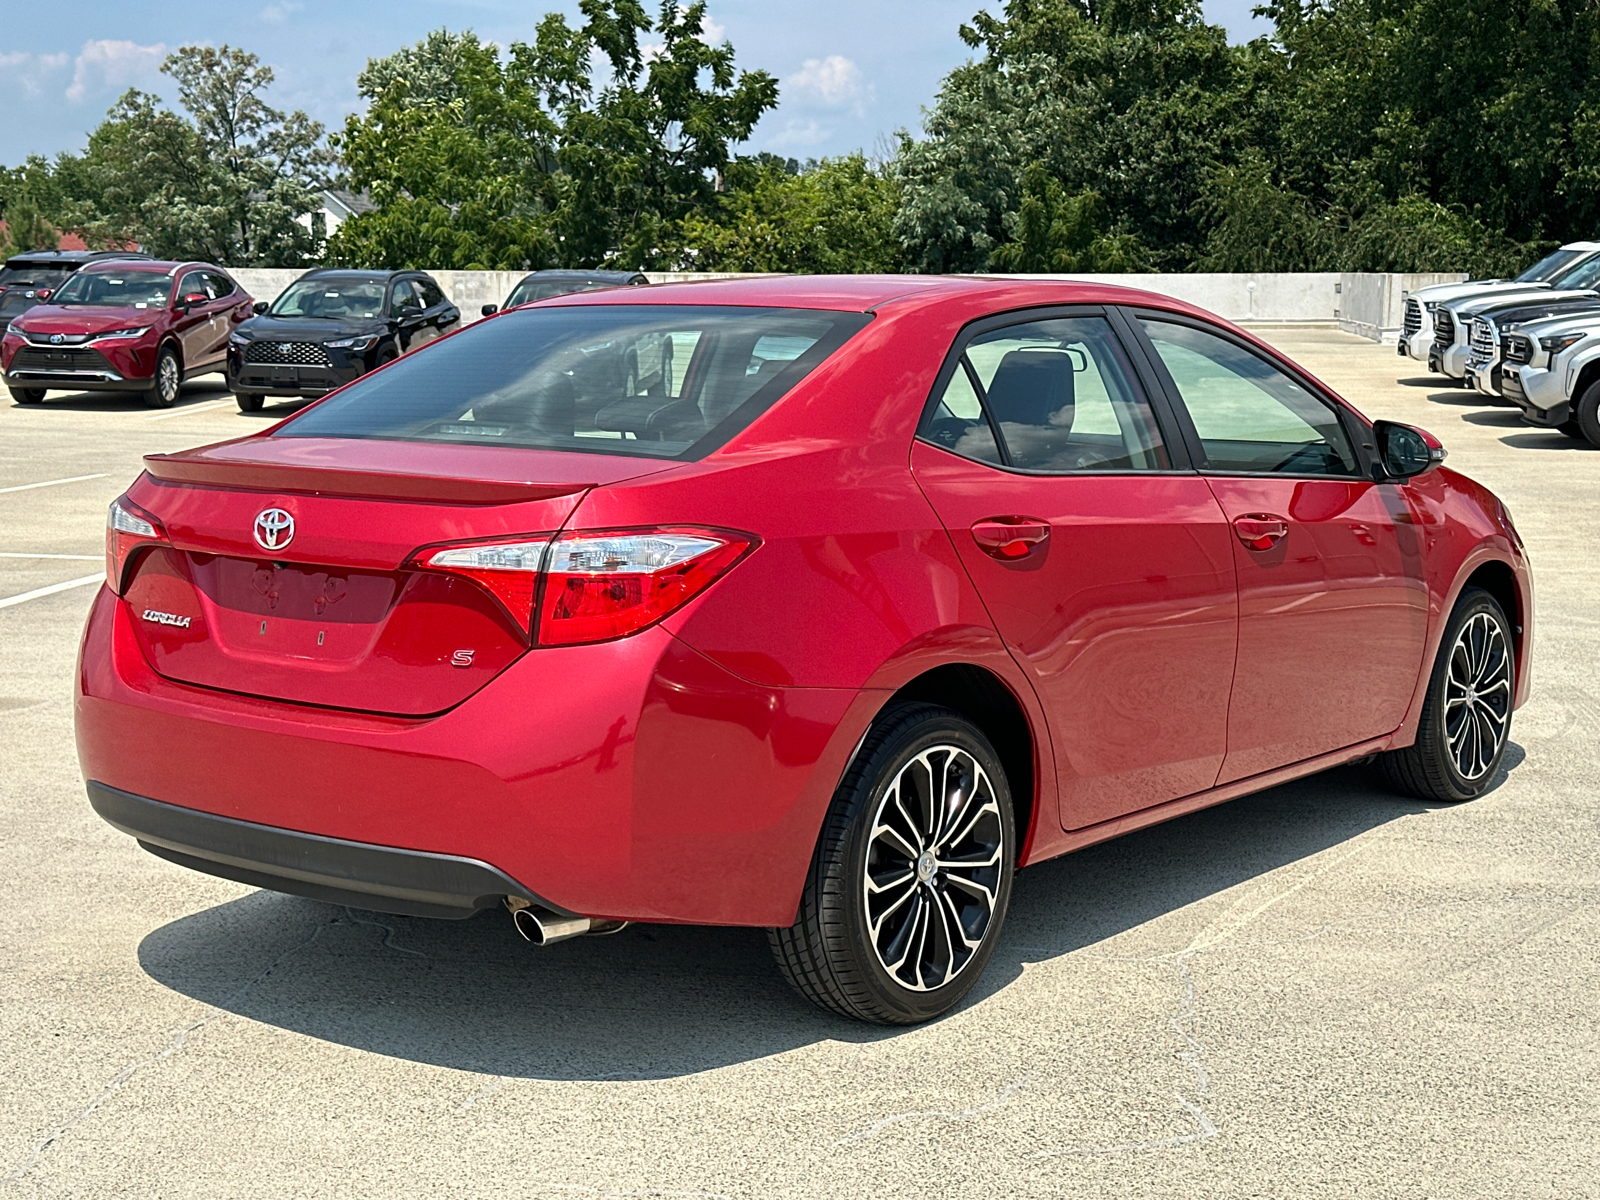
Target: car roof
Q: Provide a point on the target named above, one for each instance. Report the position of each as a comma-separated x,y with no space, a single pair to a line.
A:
587,276
372,276
1581,246
865,293
64,258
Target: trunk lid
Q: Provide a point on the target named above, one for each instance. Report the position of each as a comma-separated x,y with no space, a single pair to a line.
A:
336,614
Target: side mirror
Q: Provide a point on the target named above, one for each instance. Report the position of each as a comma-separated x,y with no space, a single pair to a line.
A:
489,310
260,306
42,295
1404,451
192,300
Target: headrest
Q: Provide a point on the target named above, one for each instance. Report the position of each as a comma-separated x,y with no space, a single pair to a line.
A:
1031,386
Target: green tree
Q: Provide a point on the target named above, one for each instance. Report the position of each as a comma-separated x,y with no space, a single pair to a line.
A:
831,217
526,160
1055,232
227,183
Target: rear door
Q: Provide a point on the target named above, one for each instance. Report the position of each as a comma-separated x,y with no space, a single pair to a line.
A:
1104,561
1332,604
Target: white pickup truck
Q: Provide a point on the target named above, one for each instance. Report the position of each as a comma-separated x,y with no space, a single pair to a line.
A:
1421,326
1551,371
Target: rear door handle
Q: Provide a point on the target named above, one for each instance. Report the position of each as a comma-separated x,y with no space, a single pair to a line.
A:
1011,538
1260,531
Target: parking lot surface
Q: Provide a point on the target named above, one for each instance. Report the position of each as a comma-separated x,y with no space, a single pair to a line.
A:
1321,990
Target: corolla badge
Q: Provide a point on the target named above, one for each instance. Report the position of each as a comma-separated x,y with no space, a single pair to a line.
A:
274,529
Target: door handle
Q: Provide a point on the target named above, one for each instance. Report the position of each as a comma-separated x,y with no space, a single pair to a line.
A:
1260,531
1011,538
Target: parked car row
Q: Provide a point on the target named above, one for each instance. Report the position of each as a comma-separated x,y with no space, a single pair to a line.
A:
114,321
1533,341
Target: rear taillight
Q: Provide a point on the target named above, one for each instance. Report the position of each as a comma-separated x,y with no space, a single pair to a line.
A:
600,586
129,528
509,571
596,586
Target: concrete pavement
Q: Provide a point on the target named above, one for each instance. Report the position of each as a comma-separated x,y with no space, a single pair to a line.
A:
1322,990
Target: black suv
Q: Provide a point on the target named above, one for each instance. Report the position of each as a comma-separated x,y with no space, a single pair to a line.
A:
541,285
331,325
32,277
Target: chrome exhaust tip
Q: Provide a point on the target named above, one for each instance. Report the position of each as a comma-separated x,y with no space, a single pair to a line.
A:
543,927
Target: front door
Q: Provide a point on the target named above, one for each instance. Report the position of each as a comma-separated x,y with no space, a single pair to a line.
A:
1106,567
1332,604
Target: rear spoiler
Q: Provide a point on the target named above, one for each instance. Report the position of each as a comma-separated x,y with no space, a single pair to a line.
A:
206,469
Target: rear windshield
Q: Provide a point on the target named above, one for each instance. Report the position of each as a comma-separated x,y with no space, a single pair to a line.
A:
649,380
105,289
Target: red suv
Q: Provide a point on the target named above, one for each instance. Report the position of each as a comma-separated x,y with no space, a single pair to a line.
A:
808,603
125,325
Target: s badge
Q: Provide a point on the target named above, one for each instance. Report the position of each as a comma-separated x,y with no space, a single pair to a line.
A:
461,658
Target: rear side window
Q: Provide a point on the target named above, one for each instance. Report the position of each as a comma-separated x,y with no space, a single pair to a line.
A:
431,295
1053,396
653,380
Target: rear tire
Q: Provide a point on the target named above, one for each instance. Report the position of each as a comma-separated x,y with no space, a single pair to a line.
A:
168,381
1586,414
1466,717
28,395
884,934
250,401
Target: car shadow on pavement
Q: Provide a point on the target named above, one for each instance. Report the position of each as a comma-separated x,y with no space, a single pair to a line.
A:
1546,439
660,1001
196,391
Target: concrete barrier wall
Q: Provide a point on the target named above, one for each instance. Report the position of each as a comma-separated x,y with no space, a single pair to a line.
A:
1373,305
1367,304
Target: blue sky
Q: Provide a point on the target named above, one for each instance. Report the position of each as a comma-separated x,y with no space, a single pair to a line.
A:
850,72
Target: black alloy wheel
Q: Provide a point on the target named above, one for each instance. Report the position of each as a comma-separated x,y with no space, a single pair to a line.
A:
28,395
250,401
911,879
1586,414
1466,717
168,382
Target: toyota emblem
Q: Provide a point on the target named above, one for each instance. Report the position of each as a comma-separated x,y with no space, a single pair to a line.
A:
56,339
274,529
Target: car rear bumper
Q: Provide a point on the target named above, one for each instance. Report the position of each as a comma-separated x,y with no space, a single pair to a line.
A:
380,878
633,780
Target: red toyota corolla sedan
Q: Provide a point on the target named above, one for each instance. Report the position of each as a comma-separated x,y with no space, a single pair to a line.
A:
819,604
125,325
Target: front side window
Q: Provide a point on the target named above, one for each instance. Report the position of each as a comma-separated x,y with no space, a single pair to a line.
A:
1251,417
107,289
1051,396
402,298
195,284
662,381
338,299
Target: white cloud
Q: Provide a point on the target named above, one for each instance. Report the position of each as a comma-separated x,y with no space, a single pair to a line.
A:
280,11
832,82
802,134
109,65
31,71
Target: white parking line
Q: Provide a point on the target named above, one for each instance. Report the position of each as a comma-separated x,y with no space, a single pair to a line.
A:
192,408
52,589
23,487
75,557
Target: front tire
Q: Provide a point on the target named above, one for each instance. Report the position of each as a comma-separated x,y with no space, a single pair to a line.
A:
28,395
250,402
1586,414
168,382
1466,717
911,879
